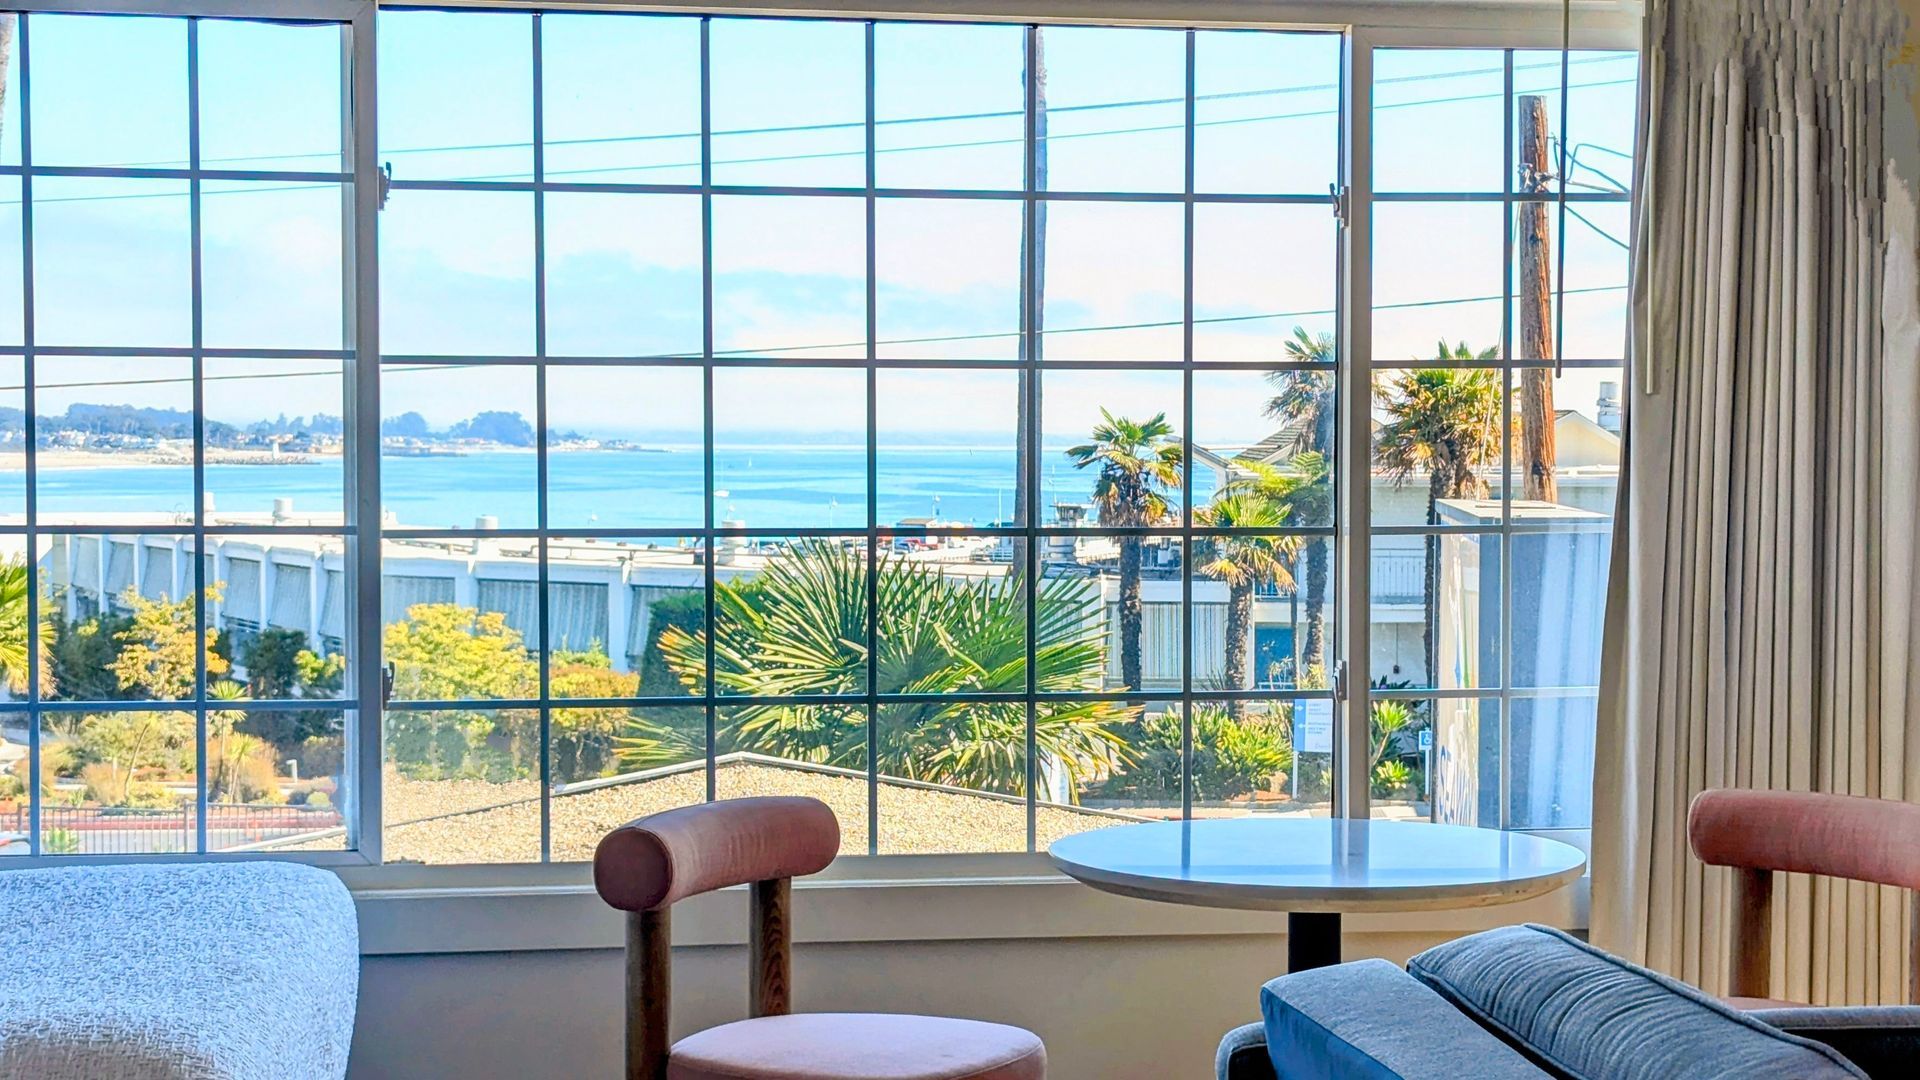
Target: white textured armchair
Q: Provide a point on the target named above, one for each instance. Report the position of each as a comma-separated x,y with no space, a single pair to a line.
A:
227,971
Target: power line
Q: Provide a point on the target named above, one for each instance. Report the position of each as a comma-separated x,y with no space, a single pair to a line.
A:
1214,319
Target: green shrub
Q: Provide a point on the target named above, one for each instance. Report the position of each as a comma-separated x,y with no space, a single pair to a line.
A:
318,800
59,841
1231,758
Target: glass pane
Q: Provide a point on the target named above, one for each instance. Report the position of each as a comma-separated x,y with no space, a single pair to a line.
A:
116,439
623,275
112,262
1411,758
1243,761
1559,582
792,619
790,447
1115,282
622,99
612,765
270,95
456,95
1266,112
1601,117
1263,275
1438,119
12,299
1115,109
948,447
1550,759
1437,445
789,277
281,614
1110,448
1262,611
1436,609
463,623
1462,759
134,793
262,458
609,600
270,265
1263,445
954,627
789,102
276,780
455,450
814,750
1571,479
949,106
1591,320
1437,275
13,441
136,118
624,446
123,615
10,82
953,775
457,273
949,278
461,787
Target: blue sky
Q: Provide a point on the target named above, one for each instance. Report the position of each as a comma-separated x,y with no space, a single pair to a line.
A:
623,271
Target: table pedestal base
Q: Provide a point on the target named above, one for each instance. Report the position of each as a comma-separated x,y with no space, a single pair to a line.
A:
1313,939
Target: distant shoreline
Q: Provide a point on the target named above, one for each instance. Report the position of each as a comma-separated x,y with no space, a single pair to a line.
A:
16,461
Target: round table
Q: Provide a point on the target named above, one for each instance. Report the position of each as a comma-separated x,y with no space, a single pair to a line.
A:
1315,869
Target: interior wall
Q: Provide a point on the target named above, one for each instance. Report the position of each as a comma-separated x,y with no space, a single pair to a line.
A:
1130,1008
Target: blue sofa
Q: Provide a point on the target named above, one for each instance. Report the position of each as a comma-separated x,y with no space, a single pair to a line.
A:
1525,1002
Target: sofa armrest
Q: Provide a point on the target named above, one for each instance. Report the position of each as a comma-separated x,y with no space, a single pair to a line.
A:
1243,1055
1883,1040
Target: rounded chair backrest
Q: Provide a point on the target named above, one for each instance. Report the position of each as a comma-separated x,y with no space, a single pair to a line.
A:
1842,836
653,861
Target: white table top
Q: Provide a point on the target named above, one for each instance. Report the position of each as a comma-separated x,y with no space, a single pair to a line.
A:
1317,864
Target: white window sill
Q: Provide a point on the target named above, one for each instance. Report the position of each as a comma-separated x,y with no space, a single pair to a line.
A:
413,910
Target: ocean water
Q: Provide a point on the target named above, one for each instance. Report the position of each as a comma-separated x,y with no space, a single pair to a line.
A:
763,487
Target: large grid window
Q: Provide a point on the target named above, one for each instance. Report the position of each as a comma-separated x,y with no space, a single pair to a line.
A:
939,419
1500,284
176,199
837,408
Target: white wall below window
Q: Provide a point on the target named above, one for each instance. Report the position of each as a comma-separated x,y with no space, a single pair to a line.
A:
1137,1008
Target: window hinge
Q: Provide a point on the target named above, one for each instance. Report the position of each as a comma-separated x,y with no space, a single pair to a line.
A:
1338,193
386,684
1340,681
386,184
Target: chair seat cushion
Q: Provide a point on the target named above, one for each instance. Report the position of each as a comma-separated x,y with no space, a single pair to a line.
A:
858,1046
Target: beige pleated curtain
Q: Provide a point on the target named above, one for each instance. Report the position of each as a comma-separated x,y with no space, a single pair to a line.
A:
1761,616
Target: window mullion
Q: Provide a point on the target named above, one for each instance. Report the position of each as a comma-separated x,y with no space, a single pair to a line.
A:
1354,511
362,205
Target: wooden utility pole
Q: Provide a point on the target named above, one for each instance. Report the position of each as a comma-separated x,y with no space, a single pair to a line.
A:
1033,303
1535,301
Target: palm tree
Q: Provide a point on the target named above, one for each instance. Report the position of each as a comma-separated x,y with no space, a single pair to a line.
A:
16,579
1306,398
1446,421
1243,561
1139,465
800,628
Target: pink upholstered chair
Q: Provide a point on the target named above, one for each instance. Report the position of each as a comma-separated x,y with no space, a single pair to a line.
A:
644,866
1760,832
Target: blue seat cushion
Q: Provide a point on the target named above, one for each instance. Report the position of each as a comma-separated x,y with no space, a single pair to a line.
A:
1582,1014
1369,1020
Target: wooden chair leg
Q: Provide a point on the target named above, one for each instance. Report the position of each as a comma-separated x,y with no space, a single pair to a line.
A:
649,989
1752,958
770,948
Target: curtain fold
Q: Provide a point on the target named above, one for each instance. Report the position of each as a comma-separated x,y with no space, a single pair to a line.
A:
1760,617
